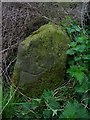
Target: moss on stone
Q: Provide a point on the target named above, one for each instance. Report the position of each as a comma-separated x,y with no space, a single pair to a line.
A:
41,60
49,80
16,74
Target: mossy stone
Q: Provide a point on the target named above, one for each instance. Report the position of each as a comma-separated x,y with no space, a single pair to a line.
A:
41,60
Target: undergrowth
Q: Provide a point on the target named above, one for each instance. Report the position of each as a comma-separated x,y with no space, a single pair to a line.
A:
71,100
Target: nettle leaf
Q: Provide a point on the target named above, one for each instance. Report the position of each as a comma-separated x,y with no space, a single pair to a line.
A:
69,111
77,72
74,110
47,94
53,104
83,87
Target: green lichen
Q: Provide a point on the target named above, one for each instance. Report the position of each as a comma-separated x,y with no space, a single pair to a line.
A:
44,30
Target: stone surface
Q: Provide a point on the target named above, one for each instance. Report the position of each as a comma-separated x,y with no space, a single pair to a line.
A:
41,60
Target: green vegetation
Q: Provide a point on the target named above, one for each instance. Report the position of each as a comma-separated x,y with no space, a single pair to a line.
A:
71,100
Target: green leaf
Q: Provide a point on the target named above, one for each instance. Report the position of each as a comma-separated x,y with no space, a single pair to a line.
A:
77,58
80,48
71,62
47,94
34,104
77,28
70,30
73,44
83,87
86,57
69,111
29,105
77,72
70,52
74,110
53,104
51,101
82,39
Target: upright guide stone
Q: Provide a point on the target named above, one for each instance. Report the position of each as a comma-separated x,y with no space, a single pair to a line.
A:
41,60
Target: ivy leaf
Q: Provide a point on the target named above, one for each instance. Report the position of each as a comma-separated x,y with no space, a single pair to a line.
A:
82,39
70,30
73,44
70,52
77,58
86,57
77,28
80,48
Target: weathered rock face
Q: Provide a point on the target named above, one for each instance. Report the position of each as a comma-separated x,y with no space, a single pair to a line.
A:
41,60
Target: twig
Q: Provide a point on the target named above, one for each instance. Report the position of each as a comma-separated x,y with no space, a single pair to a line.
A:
26,97
12,46
10,64
86,106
